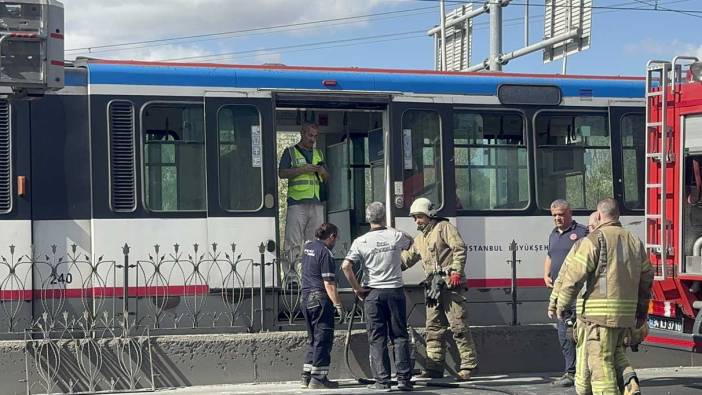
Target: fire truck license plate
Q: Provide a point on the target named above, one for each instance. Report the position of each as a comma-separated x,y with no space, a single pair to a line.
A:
666,324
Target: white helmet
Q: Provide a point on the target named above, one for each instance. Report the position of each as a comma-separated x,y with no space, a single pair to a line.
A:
422,206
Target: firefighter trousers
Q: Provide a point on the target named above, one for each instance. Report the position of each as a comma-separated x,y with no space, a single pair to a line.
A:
451,312
601,359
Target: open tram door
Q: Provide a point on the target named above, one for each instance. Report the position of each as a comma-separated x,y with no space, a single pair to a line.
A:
421,164
352,134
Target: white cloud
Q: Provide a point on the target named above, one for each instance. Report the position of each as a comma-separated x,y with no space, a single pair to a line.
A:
664,50
91,23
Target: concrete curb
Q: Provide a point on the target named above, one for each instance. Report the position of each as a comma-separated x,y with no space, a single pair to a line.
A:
188,360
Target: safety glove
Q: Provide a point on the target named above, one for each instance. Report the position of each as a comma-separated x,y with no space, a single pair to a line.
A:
341,312
455,279
635,336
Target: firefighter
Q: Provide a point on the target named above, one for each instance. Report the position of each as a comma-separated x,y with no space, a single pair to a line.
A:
443,253
613,265
566,332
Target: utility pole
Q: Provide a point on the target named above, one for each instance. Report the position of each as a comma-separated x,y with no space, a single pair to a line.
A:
526,23
443,34
495,35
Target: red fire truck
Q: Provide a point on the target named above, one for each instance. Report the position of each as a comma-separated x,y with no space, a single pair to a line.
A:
674,201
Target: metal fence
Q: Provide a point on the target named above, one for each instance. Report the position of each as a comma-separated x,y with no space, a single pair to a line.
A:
175,288
87,322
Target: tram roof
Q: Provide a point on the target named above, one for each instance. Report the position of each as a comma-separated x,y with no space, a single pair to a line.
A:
346,79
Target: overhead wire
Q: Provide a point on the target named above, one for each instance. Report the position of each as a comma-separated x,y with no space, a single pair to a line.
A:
364,40
128,46
657,6
594,7
249,30
375,36
267,32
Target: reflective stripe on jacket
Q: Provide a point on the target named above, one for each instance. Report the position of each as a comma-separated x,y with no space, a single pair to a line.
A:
612,265
305,185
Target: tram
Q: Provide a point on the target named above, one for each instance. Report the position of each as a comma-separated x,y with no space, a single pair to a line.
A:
148,153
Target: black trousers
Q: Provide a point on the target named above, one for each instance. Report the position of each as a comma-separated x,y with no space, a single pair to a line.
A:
386,316
567,342
318,311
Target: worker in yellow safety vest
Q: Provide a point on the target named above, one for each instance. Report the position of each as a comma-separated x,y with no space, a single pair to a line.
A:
303,166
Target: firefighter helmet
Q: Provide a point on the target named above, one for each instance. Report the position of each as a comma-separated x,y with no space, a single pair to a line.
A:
422,206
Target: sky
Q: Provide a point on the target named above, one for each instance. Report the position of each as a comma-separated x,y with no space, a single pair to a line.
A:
365,33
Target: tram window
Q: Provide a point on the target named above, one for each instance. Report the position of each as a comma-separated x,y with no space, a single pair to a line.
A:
421,131
633,151
490,156
174,157
573,159
240,158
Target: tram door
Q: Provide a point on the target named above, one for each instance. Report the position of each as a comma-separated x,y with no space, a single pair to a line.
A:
421,164
357,170
241,182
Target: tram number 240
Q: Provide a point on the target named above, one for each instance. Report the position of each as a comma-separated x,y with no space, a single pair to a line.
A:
63,278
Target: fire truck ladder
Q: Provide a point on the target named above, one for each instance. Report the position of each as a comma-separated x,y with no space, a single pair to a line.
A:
657,74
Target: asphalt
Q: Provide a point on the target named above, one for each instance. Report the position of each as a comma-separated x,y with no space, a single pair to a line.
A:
658,381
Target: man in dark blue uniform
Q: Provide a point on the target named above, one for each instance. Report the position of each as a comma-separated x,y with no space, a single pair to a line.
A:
320,298
562,238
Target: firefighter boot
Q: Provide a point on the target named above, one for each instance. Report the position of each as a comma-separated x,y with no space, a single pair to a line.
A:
464,375
631,384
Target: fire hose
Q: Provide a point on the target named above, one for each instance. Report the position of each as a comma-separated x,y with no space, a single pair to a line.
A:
430,383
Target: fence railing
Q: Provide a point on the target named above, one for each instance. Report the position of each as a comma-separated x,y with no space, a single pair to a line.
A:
165,289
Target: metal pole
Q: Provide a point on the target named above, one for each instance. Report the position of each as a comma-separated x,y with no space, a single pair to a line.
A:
436,46
513,262
526,23
125,289
495,35
442,12
564,70
540,45
262,286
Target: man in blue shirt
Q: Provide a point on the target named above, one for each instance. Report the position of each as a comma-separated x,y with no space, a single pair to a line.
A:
320,298
562,238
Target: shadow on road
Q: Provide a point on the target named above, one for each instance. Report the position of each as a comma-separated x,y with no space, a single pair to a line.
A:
689,382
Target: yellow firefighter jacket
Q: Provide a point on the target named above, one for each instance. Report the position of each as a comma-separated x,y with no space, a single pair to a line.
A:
553,299
439,247
613,266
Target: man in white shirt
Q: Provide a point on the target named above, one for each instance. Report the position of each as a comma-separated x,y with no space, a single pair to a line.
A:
378,252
